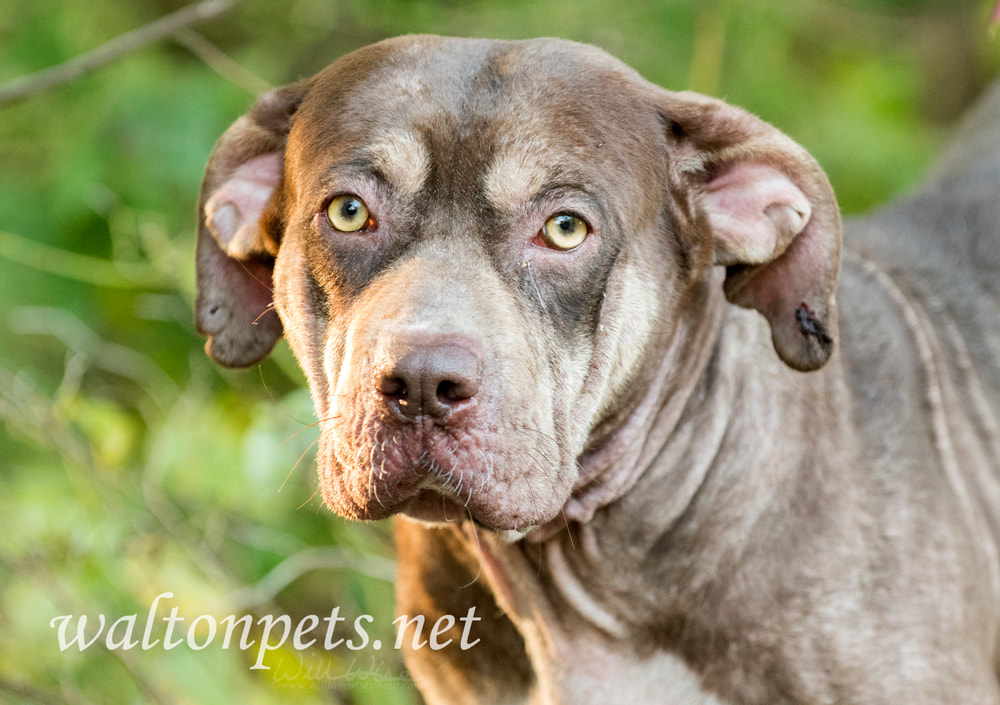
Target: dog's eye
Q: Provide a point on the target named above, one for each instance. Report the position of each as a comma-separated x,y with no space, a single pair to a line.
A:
564,231
348,214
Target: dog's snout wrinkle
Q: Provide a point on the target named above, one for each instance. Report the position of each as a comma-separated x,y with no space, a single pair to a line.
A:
430,379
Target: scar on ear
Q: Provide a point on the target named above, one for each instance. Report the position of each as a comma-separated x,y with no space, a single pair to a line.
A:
810,325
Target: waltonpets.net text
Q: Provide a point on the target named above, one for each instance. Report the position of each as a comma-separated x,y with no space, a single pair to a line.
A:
274,632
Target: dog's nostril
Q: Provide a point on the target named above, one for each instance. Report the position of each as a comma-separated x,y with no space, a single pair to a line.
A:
449,392
392,387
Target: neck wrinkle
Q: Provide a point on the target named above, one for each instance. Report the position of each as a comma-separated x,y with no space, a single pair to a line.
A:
625,455
732,460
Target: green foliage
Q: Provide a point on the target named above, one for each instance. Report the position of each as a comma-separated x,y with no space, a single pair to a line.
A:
130,465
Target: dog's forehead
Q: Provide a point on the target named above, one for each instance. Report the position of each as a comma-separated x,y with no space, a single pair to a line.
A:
463,75
403,102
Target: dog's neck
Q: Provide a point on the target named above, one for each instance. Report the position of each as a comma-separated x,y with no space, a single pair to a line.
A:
724,454
706,395
628,442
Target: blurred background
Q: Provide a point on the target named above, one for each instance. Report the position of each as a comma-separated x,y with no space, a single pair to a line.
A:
130,465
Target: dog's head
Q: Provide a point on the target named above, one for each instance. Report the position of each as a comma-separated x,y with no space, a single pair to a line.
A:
475,249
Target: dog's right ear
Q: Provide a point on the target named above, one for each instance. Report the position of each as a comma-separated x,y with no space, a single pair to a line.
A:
237,242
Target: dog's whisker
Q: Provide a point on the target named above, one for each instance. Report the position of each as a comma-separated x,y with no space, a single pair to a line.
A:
267,310
372,484
533,429
524,476
479,551
483,477
569,532
310,499
264,284
305,428
297,462
531,278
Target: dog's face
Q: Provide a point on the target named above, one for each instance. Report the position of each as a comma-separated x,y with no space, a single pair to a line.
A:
478,248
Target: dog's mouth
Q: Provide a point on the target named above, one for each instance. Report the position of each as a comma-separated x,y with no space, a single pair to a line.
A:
489,476
437,498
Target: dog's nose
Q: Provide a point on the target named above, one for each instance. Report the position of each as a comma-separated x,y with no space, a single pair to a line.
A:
430,380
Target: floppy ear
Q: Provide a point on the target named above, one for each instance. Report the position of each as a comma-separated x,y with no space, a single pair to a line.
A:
237,242
772,216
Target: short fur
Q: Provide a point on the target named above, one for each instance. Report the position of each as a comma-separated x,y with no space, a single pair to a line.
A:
608,460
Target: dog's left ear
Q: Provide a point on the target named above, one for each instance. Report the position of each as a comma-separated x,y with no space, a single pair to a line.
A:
772,215
238,233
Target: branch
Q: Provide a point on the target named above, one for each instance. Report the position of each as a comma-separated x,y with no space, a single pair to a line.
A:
22,86
220,63
29,692
83,268
308,560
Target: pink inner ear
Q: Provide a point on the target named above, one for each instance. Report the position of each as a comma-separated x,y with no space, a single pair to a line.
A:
755,211
233,211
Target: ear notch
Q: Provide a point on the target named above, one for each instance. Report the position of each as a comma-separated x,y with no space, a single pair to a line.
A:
772,216
237,240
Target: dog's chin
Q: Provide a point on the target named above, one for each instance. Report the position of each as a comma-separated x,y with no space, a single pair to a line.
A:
435,508
432,507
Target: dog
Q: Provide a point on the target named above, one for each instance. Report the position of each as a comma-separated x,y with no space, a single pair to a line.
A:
585,335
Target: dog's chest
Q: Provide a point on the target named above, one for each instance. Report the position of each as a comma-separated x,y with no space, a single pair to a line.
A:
579,644
600,676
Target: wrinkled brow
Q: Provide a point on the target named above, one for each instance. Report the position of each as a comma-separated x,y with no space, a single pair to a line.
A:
517,173
402,159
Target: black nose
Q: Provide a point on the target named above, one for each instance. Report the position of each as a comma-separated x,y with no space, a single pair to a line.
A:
430,379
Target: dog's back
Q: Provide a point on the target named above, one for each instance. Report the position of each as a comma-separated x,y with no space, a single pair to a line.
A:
941,244
920,294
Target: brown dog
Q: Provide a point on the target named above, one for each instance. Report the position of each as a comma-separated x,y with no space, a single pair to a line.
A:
504,268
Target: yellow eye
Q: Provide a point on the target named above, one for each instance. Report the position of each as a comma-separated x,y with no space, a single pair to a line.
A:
348,214
564,231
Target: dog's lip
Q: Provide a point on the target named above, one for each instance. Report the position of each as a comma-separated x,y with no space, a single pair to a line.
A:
430,477
436,507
